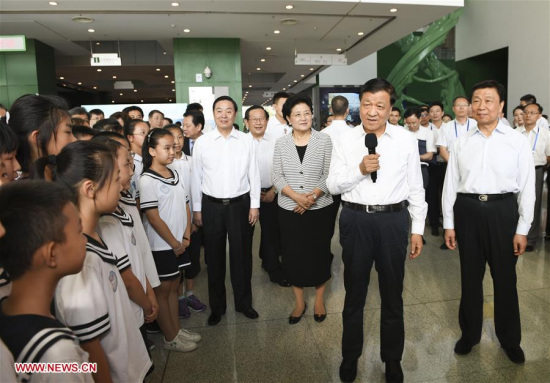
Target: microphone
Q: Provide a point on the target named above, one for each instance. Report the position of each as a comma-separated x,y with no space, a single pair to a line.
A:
371,142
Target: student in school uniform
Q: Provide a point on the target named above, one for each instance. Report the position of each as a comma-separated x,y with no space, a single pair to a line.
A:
136,131
117,231
182,164
94,303
43,213
8,154
165,204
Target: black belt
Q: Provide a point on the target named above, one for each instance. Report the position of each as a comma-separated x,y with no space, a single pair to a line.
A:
487,197
376,208
226,201
266,189
538,167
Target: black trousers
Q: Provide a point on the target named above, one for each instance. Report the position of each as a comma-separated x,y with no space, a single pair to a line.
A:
379,238
337,201
222,222
436,177
270,240
425,176
534,231
484,233
194,251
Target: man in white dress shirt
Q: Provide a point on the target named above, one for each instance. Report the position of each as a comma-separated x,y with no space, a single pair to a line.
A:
374,223
278,127
226,199
531,99
395,116
488,203
425,138
455,128
255,119
539,142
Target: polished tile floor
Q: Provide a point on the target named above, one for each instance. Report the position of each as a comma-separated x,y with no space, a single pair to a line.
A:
270,350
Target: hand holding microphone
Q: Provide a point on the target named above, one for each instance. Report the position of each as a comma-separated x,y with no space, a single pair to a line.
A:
370,163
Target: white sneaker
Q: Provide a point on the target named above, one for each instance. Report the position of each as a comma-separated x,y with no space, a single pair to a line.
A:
179,344
189,336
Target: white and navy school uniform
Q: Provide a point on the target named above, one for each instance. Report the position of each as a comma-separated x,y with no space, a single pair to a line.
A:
94,303
169,196
39,339
117,231
134,182
130,206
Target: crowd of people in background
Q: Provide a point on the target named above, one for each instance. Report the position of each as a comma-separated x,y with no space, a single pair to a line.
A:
108,215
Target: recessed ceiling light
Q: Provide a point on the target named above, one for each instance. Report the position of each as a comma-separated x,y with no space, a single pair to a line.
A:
276,31
360,33
62,78
113,101
82,19
171,82
173,90
258,68
114,76
310,68
158,69
120,94
289,85
91,30
141,100
295,80
169,100
186,30
289,6
262,60
284,88
95,87
166,76
53,3
250,86
267,48
393,10
97,43
79,83
163,53
64,84
135,90
338,49
302,75
175,4
99,70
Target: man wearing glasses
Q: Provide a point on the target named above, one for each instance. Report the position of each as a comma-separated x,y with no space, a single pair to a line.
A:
539,142
455,128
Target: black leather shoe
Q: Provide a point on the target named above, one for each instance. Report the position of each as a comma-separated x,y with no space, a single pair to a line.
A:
214,319
294,320
515,354
250,313
435,231
320,317
529,248
394,373
463,347
348,370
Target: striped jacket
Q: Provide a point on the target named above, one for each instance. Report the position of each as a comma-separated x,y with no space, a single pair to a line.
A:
304,176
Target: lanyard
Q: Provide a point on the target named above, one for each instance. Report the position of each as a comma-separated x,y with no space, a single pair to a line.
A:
467,128
536,139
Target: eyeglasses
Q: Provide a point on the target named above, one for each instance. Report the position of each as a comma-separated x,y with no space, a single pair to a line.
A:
424,114
257,119
530,113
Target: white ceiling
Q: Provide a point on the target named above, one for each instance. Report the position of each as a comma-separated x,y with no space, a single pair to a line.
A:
145,30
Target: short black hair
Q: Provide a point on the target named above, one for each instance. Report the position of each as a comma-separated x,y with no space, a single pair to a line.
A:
151,141
491,84
459,97
194,106
197,117
520,107
170,121
173,126
292,101
339,105
411,111
97,112
31,214
108,124
529,98
128,109
277,96
112,136
75,121
79,110
255,107
225,98
378,85
154,111
396,109
80,131
8,139
534,103
130,126
435,103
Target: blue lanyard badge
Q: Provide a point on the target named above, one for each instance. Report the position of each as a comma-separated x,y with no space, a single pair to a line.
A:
467,128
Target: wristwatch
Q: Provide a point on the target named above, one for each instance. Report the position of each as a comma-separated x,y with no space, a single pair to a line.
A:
314,196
